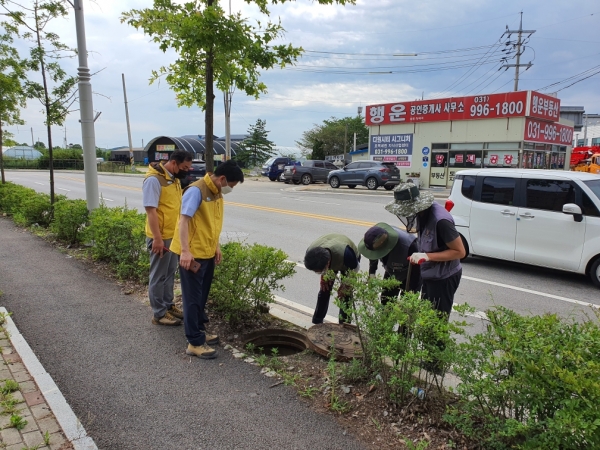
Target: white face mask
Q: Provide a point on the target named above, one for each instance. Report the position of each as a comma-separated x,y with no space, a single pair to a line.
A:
226,189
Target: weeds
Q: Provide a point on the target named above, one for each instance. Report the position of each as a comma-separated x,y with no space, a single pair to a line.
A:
46,438
9,404
9,386
308,392
17,421
335,403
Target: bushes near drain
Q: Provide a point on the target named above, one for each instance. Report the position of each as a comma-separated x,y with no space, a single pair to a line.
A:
400,337
118,237
527,382
244,282
530,383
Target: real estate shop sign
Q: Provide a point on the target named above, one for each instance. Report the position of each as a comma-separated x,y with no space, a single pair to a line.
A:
396,148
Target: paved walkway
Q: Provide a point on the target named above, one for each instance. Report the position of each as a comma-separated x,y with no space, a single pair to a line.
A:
129,381
40,430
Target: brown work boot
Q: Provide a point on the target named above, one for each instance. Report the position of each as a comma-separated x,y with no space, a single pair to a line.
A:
168,319
176,312
201,351
211,339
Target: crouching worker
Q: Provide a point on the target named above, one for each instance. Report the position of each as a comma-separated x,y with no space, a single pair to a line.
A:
392,246
333,252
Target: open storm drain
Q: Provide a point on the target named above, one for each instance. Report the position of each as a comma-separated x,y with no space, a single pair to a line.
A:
286,342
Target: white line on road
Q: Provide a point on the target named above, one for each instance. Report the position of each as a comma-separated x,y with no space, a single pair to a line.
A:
63,189
41,184
530,291
106,199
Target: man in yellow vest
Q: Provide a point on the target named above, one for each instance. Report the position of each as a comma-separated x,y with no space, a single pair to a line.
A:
161,194
197,242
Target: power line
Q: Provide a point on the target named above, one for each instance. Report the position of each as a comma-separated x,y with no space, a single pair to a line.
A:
585,72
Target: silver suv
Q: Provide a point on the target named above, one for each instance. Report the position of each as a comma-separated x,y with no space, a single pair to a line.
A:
371,174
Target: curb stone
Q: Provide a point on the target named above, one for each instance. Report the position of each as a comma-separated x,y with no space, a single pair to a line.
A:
48,390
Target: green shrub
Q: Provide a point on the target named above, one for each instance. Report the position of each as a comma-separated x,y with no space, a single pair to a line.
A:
118,237
36,208
401,336
246,278
13,196
530,383
70,216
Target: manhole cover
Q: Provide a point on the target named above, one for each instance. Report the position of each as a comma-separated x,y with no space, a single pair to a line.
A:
287,342
344,338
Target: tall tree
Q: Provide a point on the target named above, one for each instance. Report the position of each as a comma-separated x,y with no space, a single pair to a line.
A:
213,46
257,148
57,92
334,136
12,91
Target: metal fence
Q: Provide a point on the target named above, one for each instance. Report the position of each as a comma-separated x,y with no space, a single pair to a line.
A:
64,164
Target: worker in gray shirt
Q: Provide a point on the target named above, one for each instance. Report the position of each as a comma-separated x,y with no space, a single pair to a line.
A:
161,193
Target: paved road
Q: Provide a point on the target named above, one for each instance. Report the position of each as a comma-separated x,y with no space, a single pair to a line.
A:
290,218
128,380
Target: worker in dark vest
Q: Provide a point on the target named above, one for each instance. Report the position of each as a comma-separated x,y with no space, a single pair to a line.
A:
392,246
440,245
338,253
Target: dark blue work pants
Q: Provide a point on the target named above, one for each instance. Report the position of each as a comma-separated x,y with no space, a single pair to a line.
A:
194,293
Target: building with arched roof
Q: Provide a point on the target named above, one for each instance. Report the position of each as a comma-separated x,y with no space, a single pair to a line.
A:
161,147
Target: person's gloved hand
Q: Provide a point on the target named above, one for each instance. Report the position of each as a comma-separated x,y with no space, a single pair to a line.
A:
418,258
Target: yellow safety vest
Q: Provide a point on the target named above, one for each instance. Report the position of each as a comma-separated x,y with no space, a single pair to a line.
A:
169,203
206,224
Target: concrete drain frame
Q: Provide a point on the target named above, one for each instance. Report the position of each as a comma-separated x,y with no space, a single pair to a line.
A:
318,338
288,342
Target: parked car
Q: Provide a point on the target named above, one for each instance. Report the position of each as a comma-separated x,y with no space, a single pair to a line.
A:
309,171
197,171
273,168
371,174
548,218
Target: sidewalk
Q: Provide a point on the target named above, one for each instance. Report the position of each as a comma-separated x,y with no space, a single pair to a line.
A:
40,410
129,381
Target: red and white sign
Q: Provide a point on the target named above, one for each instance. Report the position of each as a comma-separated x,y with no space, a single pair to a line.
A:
458,158
544,107
508,159
548,132
493,159
510,104
471,159
439,159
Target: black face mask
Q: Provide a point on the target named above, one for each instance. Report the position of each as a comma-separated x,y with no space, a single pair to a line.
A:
181,174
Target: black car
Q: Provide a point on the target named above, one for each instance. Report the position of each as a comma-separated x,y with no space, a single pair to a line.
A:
197,171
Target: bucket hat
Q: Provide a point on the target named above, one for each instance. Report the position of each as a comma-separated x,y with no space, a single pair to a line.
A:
408,200
379,240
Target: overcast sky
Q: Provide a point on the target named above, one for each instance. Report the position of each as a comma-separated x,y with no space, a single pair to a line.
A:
458,45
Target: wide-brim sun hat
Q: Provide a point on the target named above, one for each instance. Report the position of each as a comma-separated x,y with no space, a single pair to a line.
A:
381,239
408,200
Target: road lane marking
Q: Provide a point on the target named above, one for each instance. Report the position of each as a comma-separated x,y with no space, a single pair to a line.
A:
261,208
63,189
106,199
312,201
530,291
118,186
303,214
41,184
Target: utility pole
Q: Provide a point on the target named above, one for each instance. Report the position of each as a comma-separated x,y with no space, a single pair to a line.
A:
32,141
227,100
128,127
518,65
345,142
86,109
585,130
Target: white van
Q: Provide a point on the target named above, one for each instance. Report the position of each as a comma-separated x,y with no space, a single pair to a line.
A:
548,218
